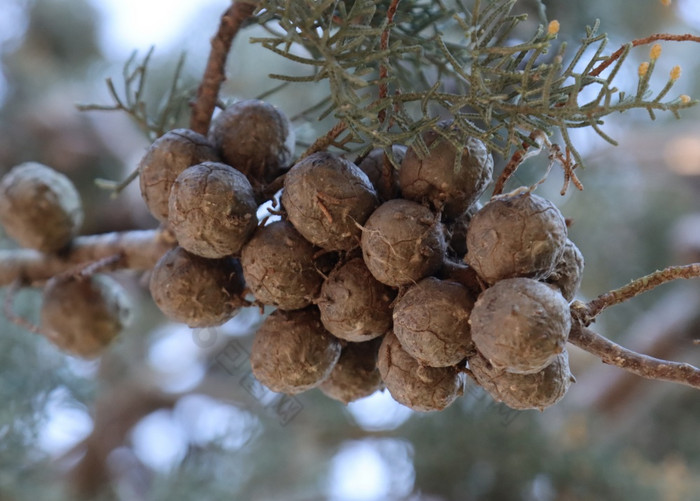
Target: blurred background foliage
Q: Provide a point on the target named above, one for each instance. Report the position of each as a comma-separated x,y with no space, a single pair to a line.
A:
171,413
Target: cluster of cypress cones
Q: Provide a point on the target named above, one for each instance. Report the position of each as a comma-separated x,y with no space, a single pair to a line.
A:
385,272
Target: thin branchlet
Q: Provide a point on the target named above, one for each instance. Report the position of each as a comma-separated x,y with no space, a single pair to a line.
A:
642,41
136,250
214,73
636,363
131,100
384,45
153,123
325,141
587,312
539,141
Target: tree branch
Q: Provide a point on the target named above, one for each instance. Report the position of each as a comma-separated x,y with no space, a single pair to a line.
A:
518,157
384,46
641,365
139,250
642,41
116,412
663,331
587,312
215,71
324,142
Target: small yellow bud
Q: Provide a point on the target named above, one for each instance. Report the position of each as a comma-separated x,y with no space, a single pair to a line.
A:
553,27
665,3
655,52
685,99
643,68
675,73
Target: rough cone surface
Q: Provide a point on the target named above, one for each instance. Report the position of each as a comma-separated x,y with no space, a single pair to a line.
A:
568,271
431,321
39,207
435,179
279,267
521,235
83,315
355,375
418,387
256,138
457,245
524,391
385,181
292,352
196,291
520,325
402,242
327,198
167,157
354,305
212,210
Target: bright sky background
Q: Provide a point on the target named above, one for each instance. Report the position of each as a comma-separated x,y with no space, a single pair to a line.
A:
139,24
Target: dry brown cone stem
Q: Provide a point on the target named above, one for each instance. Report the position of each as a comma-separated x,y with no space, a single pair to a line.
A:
641,365
324,142
138,250
611,353
587,312
215,71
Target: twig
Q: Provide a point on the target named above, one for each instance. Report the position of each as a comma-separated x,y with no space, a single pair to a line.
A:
88,269
215,71
642,41
538,138
116,187
131,103
641,365
324,142
384,46
587,312
661,332
8,309
569,166
139,250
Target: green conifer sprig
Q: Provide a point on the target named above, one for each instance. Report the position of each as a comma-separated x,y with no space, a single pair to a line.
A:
131,99
457,62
